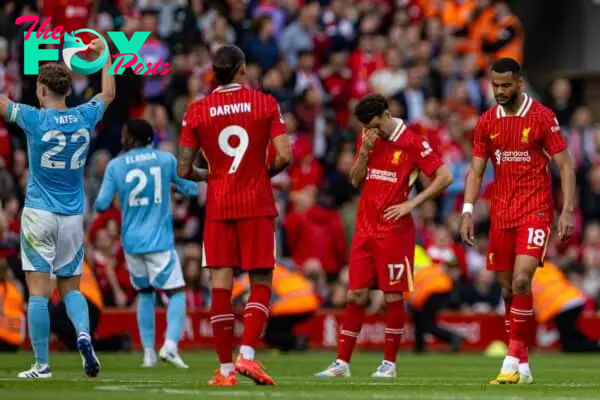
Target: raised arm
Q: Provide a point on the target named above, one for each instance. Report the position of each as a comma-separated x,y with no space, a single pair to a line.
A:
358,172
109,90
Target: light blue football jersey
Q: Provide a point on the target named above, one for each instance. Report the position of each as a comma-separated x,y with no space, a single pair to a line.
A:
57,144
142,178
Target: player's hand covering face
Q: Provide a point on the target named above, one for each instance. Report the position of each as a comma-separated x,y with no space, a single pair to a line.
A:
368,138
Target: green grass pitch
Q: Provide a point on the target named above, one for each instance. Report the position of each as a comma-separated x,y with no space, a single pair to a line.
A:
433,376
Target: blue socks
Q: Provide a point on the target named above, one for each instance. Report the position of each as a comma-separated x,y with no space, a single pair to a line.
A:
175,317
145,318
38,320
77,310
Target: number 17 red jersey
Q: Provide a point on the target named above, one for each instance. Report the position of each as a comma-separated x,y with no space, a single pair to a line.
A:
233,126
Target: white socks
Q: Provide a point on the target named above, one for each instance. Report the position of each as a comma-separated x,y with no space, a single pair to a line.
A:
226,369
247,352
510,364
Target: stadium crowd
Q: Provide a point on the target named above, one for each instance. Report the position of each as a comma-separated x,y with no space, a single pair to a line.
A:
317,58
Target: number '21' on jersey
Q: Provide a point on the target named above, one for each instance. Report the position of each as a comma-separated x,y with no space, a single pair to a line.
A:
57,143
142,179
233,127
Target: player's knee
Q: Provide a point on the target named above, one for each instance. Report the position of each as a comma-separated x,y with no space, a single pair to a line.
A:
359,296
38,284
261,277
393,297
521,284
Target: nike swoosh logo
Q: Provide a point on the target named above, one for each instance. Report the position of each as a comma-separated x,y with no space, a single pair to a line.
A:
519,320
494,136
394,283
532,247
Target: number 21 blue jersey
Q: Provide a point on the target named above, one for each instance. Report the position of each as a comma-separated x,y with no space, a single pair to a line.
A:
142,178
57,143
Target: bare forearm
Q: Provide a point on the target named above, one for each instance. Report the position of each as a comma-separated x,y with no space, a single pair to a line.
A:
279,164
442,180
472,187
198,174
359,169
567,183
109,90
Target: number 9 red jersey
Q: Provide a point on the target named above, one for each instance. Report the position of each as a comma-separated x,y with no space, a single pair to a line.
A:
233,127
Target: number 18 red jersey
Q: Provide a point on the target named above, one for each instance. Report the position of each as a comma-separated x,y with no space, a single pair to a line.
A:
520,148
234,126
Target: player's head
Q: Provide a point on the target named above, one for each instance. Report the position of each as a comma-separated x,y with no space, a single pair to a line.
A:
229,65
507,80
136,133
372,111
53,83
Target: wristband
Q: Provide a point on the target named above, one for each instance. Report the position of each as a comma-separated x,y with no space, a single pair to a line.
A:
467,208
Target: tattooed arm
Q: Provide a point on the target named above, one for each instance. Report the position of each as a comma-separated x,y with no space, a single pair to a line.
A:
186,168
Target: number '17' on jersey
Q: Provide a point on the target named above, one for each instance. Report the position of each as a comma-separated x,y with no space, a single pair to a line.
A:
233,127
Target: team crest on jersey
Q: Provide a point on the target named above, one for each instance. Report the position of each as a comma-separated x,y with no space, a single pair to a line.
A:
525,135
396,157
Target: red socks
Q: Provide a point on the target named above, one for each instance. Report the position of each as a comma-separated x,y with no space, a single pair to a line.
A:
256,313
354,315
222,323
507,307
521,324
394,323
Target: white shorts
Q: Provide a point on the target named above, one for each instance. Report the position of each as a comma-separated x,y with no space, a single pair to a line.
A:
160,270
51,243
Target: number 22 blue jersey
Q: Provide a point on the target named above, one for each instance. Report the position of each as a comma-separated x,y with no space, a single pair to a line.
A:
57,145
142,178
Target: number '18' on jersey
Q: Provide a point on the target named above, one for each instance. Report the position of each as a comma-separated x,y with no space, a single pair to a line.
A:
234,126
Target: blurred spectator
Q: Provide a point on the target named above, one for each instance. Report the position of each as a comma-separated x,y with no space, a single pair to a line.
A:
260,46
412,99
483,295
561,101
391,79
154,51
299,35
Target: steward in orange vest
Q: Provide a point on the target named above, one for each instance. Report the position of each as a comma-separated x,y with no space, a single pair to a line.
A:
12,317
293,301
504,36
556,299
432,288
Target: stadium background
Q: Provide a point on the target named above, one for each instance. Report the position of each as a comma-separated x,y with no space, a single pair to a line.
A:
317,58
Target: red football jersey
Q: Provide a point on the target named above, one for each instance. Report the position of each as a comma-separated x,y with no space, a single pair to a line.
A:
233,126
392,169
520,148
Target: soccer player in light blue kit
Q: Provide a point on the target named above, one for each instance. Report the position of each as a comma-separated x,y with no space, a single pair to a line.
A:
58,140
142,178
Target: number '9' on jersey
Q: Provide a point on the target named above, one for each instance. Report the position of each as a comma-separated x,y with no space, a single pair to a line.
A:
57,144
234,126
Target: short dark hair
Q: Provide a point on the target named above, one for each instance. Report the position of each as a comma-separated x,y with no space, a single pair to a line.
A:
506,64
57,77
369,107
226,63
140,130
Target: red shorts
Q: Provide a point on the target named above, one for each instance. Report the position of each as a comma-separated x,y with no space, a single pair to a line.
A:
505,244
384,262
247,243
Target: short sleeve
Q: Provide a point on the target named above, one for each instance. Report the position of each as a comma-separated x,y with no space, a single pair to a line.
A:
23,115
480,139
426,159
93,110
552,138
277,124
189,135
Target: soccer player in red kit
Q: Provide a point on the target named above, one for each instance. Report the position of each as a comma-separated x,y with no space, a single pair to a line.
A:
382,252
233,126
520,136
